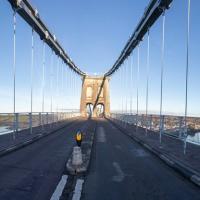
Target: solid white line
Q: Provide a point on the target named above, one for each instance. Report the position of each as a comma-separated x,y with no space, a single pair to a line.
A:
78,189
59,189
167,160
195,179
27,142
11,148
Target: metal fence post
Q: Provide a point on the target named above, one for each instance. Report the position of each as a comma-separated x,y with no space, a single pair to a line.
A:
185,137
52,117
47,117
16,122
30,122
146,123
57,118
161,127
137,123
40,119
142,121
180,126
150,123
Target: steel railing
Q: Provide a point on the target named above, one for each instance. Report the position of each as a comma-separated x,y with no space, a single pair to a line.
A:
14,122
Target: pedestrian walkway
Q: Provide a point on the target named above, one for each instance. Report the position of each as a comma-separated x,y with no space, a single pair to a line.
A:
12,139
171,146
122,169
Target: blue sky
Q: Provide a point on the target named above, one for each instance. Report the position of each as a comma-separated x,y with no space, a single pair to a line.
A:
93,34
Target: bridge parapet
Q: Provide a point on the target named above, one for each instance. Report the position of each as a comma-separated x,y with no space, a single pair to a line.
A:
172,126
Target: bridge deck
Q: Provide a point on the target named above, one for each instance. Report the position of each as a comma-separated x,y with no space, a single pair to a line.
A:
120,168
7,141
171,146
34,171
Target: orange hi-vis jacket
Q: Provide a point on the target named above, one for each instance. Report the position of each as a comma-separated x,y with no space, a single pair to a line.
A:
78,136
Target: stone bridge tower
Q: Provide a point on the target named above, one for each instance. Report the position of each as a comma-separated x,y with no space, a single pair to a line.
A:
95,91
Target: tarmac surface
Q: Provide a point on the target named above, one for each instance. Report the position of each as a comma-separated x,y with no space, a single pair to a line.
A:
122,169
34,171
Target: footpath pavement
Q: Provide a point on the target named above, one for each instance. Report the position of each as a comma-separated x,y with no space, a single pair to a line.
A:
170,150
22,138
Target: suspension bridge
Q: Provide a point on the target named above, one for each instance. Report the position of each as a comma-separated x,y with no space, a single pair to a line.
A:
132,147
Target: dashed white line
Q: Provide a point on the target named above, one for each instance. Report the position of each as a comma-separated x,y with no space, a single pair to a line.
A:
101,135
59,189
120,174
78,189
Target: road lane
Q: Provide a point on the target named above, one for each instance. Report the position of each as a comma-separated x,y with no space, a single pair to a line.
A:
122,169
34,171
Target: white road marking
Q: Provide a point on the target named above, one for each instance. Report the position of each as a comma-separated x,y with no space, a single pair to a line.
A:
78,189
120,174
59,189
118,147
139,153
113,127
167,160
11,148
101,137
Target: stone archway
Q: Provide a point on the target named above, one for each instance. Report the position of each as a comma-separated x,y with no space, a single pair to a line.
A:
95,91
89,109
100,110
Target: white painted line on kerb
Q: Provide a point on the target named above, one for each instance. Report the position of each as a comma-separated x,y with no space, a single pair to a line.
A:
11,148
78,189
59,189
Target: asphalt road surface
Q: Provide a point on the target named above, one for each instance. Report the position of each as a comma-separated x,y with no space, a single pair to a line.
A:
34,171
122,169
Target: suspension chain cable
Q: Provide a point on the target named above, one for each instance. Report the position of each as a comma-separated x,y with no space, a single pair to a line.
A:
147,84
187,76
161,77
